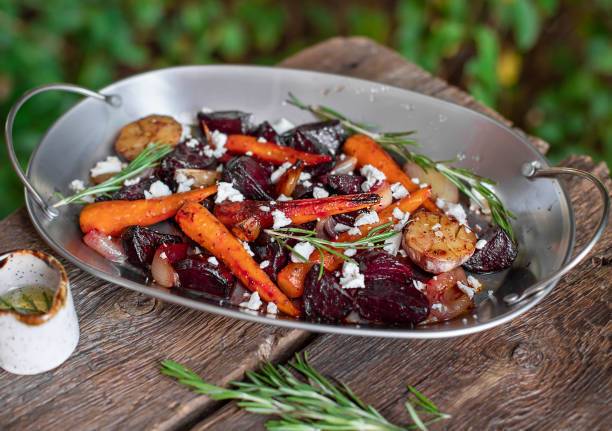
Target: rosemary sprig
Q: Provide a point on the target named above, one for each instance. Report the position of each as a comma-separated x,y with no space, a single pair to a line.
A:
148,158
306,402
477,188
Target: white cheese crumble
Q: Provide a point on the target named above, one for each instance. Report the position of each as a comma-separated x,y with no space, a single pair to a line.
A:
392,244
227,192
184,182
192,143
213,261
280,219
249,153
398,191
474,282
271,308
279,172
110,165
319,192
206,110
451,209
163,255
283,125
398,213
307,184
304,176
466,289
264,264
261,140
303,249
253,303
437,226
219,140
265,208
367,218
283,198
423,186
247,247
480,244
438,307
372,176
157,190
77,185
415,180
418,285
351,277
131,182
341,227
354,231
350,252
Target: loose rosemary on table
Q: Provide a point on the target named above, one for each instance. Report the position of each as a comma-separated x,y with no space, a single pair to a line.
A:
305,400
148,158
477,188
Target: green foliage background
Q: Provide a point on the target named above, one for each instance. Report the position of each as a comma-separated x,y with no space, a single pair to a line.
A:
545,64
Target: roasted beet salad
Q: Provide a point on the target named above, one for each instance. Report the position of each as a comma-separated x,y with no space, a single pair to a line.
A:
329,221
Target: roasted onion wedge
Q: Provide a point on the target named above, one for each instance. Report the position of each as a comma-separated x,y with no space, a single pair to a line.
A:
134,137
438,243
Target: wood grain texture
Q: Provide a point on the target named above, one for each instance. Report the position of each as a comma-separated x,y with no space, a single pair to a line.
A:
548,369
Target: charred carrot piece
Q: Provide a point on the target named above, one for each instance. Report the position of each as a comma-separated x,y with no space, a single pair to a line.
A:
111,217
291,278
270,152
202,227
247,230
299,211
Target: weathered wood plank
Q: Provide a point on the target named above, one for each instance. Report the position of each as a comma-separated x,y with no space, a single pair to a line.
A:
360,57
548,369
113,380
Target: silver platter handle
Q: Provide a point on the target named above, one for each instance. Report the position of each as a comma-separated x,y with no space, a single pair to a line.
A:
533,170
112,100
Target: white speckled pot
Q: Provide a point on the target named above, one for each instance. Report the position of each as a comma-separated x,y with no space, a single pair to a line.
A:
34,343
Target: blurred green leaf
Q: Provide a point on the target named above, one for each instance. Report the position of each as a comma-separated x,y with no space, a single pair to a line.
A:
231,39
526,23
369,22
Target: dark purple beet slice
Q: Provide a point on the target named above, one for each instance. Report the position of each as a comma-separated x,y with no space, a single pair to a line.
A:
498,253
184,156
200,277
135,191
324,137
249,176
320,169
324,299
342,184
266,131
265,248
387,302
303,191
140,244
377,265
348,218
228,122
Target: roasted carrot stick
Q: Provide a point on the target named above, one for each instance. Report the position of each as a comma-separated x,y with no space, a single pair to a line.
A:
291,278
299,211
111,217
273,153
202,227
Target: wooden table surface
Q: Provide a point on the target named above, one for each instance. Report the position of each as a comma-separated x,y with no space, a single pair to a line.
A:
548,369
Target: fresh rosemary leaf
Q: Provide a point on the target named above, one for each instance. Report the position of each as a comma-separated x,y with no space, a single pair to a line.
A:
305,400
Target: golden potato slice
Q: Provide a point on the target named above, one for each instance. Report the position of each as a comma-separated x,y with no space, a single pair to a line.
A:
440,186
437,243
134,137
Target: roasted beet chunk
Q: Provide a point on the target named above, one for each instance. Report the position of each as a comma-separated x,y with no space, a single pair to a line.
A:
265,131
266,249
140,244
498,253
135,191
324,299
392,304
342,184
324,137
186,155
228,122
200,277
377,265
249,176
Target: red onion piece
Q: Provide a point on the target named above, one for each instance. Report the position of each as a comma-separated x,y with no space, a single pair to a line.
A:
106,246
345,166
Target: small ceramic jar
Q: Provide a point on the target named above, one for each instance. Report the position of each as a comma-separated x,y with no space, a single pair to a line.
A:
34,343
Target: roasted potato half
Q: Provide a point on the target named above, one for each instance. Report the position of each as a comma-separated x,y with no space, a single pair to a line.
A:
134,137
437,243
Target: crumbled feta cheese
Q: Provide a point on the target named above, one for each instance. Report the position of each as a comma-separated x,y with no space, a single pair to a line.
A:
192,143
249,153
351,277
213,261
480,244
219,140
398,191
283,198
247,247
227,192
474,282
319,192
280,219
403,253
402,216
184,182
466,289
253,303
350,252
301,251
398,213
265,208
367,218
415,180
279,172
423,186
307,184
219,168
392,244
283,125
264,264
163,255
304,176
451,209
354,231
341,227
131,182
271,308
261,140
435,227
438,307
372,176
206,110
110,165
419,285
157,190
77,186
